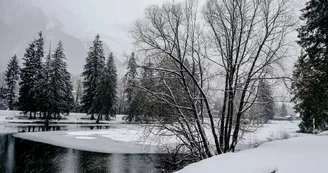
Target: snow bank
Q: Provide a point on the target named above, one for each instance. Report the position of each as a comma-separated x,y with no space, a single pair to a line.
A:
8,116
275,130
306,154
104,141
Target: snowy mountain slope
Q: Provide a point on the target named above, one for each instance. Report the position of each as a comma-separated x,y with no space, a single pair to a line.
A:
19,24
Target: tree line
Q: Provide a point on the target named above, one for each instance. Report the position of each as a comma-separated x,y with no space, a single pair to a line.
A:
42,87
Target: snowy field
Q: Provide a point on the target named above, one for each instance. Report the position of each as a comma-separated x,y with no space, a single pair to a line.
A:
306,154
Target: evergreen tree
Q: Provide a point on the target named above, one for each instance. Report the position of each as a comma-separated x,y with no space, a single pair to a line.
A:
79,94
26,91
12,76
3,92
265,101
45,98
60,84
106,91
31,76
311,70
39,69
93,69
283,110
130,82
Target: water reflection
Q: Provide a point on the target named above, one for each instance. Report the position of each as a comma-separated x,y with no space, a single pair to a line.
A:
7,144
23,156
37,157
11,128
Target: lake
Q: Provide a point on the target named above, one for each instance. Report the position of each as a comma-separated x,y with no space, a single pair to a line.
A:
23,156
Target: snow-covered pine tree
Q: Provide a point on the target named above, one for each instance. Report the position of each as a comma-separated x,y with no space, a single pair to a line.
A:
26,99
69,98
106,92
38,63
45,97
31,76
93,69
130,82
265,101
12,76
311,71
60,84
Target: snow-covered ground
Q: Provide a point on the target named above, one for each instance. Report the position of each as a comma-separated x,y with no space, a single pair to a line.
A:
305,154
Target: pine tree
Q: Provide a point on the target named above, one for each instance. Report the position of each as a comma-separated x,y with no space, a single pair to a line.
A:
93,69
130,82
265,101
26,91
79,94
31,76
45,98
283,111
37,60
3,92
12,76
60,84
106,91
311,70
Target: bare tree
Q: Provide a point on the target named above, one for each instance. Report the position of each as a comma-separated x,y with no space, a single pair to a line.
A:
248,38
240,40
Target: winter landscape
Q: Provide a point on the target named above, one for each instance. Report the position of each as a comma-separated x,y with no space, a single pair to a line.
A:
160,86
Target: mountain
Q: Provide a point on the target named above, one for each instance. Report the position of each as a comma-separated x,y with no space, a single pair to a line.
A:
20,22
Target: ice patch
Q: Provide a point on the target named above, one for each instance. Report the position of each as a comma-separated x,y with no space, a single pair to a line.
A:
84,137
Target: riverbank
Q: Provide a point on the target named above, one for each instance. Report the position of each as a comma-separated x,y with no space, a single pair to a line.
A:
131,138
116,140
17,117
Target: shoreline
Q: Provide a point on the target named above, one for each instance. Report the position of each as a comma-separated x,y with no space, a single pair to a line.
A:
92,142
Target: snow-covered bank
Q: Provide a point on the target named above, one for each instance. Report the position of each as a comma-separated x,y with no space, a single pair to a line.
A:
307,154
136,141
7,116
120,140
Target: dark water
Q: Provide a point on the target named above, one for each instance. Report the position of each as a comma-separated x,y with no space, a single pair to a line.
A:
23,156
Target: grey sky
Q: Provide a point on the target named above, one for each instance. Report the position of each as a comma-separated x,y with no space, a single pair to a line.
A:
85,18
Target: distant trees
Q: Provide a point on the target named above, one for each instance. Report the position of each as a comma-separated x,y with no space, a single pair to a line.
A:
78,96
310,75
99,94
265,101
45,86
12,76
283,111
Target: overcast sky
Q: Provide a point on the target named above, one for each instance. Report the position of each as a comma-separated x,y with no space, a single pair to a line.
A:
112,19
